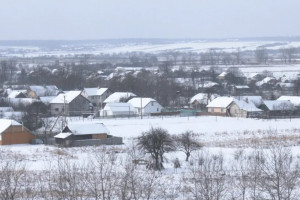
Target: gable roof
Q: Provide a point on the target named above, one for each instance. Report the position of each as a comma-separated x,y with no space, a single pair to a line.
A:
256,100
6,123
279,105
95,91
86,128
220,102
136,102
66,98
202,98
293,99
117,96
250,107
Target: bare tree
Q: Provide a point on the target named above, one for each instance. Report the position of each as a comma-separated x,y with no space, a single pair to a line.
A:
156,142
187,142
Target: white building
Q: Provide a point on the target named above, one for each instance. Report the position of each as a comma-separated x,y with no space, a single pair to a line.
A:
96,95
117,110
148,105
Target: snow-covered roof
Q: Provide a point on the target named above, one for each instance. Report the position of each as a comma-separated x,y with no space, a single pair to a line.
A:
6,123
86,128
202,98
293,99
208,84
66,98
22,101
286,85
256,100
265,81
249,107
137,101
62,135
223,74
15,93
117,96
220,102
242,87
47,100
48,90
279,105
95,91
6,109
119,107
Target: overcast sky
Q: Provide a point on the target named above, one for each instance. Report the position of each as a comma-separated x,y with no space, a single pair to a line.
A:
109,19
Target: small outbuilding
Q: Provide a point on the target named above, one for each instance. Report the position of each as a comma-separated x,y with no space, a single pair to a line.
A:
12,132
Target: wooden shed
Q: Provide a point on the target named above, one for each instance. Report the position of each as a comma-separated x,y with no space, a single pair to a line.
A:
12,132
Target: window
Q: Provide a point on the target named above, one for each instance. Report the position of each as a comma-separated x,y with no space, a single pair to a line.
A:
212,110
152,103
56,109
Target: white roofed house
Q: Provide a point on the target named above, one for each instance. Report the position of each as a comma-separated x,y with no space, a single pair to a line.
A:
295,100
97,95
278,108
145,106
220,106
240,108
118,97
72,103
201,100
117,110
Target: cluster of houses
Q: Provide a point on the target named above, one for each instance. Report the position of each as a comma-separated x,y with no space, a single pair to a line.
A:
100,102
246,106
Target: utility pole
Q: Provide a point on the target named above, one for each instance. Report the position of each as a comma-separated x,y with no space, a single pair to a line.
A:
141,108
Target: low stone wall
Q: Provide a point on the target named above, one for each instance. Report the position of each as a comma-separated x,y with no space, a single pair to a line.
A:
95,142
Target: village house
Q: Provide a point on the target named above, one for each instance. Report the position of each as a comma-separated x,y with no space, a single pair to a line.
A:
295,100
85,133
240,108
278,108
97,95
12,132
118,97
220,105
117,110
71,104
201,100
17,94
145,106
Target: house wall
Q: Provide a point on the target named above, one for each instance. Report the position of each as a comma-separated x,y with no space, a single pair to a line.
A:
152,107
235,111
217,110
100,136
16,135
78,106
97,100
58,108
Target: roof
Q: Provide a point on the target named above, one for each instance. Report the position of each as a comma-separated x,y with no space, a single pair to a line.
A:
47,100
208,84
47,90
264,81
95,91
119,107
68,97
250,107
293,99
223,74
6,123
202,98
117,96
6,109
63,135
279,105
22,101
15,93
241,86
256,100
220,102
137,101
87,128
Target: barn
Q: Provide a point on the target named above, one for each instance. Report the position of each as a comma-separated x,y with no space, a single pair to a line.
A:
12,132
